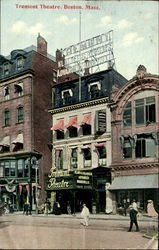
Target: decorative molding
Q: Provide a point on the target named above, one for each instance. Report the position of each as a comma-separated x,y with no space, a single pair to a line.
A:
135,166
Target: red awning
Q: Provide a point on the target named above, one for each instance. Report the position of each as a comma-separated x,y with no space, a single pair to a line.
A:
72,122
86,119
100,145
59,125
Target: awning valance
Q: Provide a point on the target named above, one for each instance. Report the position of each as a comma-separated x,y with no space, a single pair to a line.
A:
100,145
72,122
135,182
19,139
86,119
5,141
59,125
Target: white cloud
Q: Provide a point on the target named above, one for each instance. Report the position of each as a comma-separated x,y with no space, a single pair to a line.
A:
148,15
105,20
123,24
65,20
22,27
131,38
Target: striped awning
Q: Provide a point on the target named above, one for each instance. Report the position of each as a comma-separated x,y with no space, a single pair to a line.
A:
86,119
72,122
19,139
59,125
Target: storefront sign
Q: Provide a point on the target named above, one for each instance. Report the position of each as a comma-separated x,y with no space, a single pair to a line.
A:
53,183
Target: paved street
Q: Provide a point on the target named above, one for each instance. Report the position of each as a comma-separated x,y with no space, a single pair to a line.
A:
19,231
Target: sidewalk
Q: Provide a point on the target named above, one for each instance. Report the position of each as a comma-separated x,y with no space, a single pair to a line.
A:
97,216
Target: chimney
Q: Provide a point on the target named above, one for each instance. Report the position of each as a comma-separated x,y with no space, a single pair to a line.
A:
41,45
86,70
60,58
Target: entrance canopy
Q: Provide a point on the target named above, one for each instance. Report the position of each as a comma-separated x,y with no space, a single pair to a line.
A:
135,182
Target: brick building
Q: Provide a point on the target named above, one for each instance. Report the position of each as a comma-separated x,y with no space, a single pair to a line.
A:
26,80
135,140
81,125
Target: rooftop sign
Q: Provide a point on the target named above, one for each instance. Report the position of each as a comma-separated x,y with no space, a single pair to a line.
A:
89,53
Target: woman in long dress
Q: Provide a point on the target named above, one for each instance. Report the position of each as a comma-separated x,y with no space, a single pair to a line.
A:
150,209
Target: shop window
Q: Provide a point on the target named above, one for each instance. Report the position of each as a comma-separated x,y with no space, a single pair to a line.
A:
73,158
6,118
101,154
18,89
127,149
6,68
72,132
20,63
127,115
6,92
87,157
20,114
145,111
67,97
145,147
59,159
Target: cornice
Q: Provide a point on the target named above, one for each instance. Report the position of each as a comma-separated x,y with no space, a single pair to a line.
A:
135,166
79,105
17,75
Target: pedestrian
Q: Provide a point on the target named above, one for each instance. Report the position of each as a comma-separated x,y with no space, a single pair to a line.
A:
150,209
125,207
85,215
46,207
134,205
26,208
133,218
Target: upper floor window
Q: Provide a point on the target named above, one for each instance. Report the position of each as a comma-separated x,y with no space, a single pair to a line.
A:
127,149
6,93
73,163
6,118
20,63
101,150
18,142
72,126
145,111
127,115
54,76
67,96
18,88
9,168
94,89
20,114
86,124
145,146
6,68
59,129
5,144
87,156
59,158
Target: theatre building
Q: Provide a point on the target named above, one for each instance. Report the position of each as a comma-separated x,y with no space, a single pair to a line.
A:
26,79
135,140
81,126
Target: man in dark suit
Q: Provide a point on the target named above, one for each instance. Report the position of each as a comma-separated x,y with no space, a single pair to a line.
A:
133,219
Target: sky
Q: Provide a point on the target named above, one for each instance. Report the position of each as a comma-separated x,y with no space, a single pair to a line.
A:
134,24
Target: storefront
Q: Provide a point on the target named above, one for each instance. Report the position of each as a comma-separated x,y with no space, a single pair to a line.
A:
140,187
74,188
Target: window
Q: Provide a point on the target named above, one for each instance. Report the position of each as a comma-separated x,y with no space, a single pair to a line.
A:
4,148
59,158
6,118
127,149
73,163
101,154
54,76
94,89
86,129
26,168
145,111
20,115
6,93
9,168
87,157
20,63
6,68
20,168
127,116
145,147
59,134
72,132
67,97
86,124
18,88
